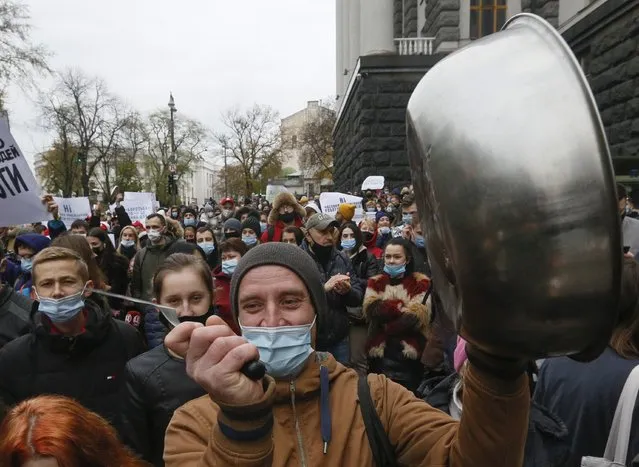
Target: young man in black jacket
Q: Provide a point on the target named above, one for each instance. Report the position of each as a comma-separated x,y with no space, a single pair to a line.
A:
75,348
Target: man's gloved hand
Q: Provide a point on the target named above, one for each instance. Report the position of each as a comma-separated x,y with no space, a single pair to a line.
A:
497,366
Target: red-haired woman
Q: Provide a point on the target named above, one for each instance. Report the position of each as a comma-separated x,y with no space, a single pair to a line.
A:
55,431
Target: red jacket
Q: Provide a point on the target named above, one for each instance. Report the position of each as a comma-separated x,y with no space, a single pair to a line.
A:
277,230
222,284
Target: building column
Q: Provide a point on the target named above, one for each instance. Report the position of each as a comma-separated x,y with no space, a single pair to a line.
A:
339,47
376,27
353,36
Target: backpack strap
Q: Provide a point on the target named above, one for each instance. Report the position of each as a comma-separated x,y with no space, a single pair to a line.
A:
619,437
383,452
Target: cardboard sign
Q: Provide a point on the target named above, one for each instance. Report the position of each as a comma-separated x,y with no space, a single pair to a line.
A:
374,182
19,191
71,209
331,201
273,190
137,205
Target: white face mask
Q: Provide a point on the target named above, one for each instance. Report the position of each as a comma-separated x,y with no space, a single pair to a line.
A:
154,235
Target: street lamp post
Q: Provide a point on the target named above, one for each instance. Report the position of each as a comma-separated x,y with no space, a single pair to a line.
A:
172,160
226,175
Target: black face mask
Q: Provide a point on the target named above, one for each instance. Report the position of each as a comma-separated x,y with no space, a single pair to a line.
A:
367,236
322,252
232,234
197,319
191,240
97,250
183,319
288,217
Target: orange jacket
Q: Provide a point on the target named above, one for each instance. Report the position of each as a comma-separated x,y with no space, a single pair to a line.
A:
492,431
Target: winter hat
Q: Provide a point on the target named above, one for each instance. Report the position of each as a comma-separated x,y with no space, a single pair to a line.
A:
312,206
252,223
459,357
190,211
347,211
233,224
289,256
34,241
140,225
381,214
303,200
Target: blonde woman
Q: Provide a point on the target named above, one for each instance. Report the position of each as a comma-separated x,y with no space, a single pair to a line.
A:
129,242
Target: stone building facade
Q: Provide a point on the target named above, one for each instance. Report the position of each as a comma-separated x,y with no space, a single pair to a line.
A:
374,87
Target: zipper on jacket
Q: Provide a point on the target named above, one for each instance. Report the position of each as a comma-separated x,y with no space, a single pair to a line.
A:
298,431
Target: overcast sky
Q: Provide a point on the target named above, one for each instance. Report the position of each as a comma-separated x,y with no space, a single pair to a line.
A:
212,54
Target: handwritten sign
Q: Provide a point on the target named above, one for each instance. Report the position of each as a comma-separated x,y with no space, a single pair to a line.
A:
330,202
374,182
273,190
71,209
138,205
19,191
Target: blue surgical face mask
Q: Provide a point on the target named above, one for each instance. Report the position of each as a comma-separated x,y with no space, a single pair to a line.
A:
348,244
61,310
263,226
188,222
228,267
26,264
384,230
208,247
407,218
283,349
249,240
127,243
419,241
395,270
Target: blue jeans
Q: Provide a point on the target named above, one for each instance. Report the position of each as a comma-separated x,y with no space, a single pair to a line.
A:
341,351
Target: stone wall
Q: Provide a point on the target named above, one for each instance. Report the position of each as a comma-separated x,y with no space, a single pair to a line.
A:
410,18
442,21
547,9
398,18
607,44
370,137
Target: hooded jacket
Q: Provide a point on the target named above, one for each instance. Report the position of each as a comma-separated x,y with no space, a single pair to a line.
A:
88,367
275,226
14,315
37,243
284,428
156,384
145,263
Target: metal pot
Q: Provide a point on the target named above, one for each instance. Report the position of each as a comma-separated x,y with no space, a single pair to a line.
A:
516,192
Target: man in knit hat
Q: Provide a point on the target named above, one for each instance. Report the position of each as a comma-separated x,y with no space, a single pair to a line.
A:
232,228
305,411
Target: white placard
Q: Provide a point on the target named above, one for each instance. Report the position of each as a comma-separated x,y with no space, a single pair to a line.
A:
374,182
112,238
331,201
273,190
19,191
137,205
71,209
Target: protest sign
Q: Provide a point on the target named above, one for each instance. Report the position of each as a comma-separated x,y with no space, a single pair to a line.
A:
137,205
273,190
374,182
112,238
71,209
331,201
19,191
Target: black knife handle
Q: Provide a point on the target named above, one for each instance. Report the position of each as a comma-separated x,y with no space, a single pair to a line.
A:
254,369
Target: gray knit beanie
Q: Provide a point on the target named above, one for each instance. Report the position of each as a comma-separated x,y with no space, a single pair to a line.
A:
289,256
233,224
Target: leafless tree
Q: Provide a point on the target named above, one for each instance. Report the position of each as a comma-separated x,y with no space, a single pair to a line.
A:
252,140
20,59
89,112
190,146
316,141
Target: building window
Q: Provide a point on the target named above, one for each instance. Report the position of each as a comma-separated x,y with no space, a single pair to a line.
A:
294,141
486,17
